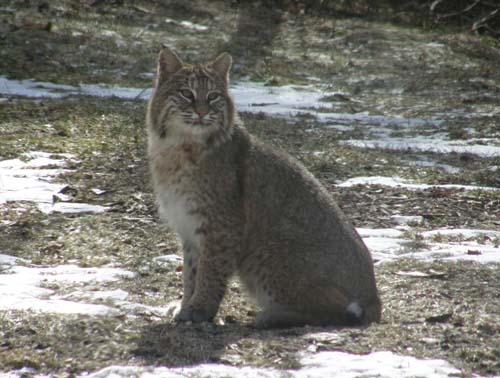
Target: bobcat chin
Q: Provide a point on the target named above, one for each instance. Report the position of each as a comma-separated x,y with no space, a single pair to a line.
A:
242,208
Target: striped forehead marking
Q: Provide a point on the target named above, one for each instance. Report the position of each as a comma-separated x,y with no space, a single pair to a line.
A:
201,80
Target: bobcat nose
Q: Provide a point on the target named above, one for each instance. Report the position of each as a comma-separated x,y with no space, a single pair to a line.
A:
201,113
201,108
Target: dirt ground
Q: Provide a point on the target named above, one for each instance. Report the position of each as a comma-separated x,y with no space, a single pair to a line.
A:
376,67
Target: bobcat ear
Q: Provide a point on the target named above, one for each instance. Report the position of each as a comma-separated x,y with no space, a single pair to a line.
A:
222,65
168,63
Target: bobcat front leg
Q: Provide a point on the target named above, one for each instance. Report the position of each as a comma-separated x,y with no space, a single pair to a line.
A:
213,272
191,257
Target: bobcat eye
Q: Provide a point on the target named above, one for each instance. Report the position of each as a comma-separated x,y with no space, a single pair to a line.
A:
212,96
186,93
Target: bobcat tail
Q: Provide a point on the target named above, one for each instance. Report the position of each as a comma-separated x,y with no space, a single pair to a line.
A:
353,312
363,314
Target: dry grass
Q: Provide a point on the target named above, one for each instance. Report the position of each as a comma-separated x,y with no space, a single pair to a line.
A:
455,316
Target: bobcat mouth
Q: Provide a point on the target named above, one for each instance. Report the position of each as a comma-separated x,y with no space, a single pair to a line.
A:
201,122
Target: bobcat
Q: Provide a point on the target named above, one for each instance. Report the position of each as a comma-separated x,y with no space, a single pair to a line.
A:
241,207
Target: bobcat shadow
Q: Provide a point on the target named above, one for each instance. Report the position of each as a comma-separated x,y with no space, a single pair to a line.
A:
183,344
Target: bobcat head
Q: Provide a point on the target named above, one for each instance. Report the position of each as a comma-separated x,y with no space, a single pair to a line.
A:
191,101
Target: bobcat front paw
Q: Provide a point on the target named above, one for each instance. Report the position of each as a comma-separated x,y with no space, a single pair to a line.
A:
195,315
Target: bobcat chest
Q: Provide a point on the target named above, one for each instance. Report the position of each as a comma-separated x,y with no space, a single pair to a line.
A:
175,186
179,210
170,162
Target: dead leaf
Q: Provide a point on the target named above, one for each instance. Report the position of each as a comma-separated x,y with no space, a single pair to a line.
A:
33,24
441,318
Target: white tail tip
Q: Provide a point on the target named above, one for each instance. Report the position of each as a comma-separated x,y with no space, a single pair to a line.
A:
355,309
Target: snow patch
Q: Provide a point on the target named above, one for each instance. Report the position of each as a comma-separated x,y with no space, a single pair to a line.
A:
30,179
187,24
28,288
294,100
287,101
71,207
38,89
397,182
463,244
171,259
27,180
405,220
9,260
320,365
33,288
384,243
429,144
